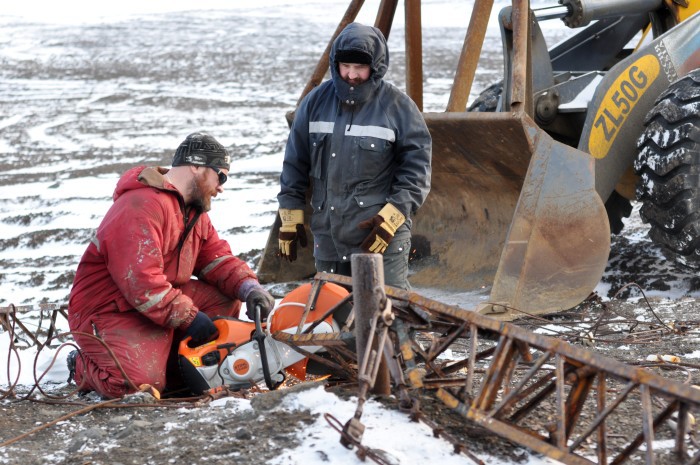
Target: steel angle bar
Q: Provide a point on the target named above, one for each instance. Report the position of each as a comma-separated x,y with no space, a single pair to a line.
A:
316,339
444,343
649,425
603,412
601,444
310,305
471,361
494,377
339,359
328,313
27,308
9,321
515,394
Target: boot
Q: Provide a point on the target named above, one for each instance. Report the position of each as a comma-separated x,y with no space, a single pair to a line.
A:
70,362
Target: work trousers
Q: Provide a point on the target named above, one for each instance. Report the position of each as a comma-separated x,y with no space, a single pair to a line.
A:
395,260
146,352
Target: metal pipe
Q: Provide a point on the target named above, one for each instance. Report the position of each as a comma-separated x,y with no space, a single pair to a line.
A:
369,296
385,16
585,11
521,98
469,58
414,52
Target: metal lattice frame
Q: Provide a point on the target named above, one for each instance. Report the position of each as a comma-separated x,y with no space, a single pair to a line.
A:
541,392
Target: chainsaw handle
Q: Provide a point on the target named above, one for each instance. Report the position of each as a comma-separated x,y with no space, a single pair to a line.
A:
259,337
257,319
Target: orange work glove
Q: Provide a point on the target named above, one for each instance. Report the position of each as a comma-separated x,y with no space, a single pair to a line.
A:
384,225
291,232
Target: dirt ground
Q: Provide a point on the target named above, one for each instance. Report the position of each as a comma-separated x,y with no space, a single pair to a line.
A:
141,431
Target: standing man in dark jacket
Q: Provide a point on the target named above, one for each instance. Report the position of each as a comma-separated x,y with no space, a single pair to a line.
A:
364,148
134,296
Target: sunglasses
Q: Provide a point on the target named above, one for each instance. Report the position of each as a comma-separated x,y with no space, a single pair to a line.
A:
222,176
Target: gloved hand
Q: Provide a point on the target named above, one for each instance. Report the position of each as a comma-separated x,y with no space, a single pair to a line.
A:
259,296
291,231
202,330
384,225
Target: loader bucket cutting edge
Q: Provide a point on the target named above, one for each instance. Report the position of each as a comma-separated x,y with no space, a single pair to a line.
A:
558,242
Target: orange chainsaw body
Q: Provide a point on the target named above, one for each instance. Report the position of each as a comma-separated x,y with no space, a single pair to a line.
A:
288,316
235,333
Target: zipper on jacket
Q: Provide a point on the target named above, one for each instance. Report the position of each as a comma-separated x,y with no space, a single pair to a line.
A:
352,115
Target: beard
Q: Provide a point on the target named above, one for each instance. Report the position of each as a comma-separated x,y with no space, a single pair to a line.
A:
199,199
354,82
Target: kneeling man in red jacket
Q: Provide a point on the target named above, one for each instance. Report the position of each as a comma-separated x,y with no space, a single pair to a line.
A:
135,295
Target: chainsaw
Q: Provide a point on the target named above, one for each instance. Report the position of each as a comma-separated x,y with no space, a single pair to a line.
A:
244,352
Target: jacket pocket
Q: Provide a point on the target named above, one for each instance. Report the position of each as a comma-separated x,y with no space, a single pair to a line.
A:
318,194
317,143
371,156
365,206
365,201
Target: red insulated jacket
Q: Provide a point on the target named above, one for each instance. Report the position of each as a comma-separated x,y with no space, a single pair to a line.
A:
147,246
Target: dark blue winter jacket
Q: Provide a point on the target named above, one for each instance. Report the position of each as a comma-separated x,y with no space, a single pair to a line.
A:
358,148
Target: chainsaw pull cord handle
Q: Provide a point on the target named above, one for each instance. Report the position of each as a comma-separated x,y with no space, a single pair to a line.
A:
259,337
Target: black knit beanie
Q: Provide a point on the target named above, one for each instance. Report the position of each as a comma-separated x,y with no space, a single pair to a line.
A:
201,149
353,56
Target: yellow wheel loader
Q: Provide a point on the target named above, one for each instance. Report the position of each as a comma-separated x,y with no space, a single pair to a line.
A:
521,180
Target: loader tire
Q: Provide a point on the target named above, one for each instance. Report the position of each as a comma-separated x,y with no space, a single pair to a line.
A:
668,164
487,99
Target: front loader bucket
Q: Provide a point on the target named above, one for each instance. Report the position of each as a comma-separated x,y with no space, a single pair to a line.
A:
559,239
512,207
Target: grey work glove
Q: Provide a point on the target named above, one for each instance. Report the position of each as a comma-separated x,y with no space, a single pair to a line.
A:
259,296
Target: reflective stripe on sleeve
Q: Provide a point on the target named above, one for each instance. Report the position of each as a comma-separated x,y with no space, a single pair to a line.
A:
155,300
322,127
214,264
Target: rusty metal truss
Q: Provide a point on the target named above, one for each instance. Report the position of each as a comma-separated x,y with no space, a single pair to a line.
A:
543,393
